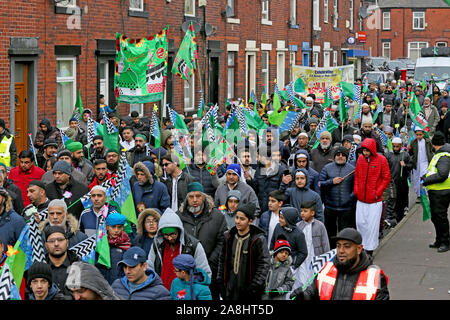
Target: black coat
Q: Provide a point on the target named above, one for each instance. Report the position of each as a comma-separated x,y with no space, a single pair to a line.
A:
77,189
264,184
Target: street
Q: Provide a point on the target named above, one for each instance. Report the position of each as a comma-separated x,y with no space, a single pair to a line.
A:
415,271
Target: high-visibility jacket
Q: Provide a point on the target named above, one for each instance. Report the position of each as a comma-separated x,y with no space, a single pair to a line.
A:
432,169
5,155
366,287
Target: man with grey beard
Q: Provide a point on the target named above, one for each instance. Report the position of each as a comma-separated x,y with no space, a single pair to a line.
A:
206,223
324,152
58,216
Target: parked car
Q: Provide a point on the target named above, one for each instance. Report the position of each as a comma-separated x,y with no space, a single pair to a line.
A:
376,64
377,76
433,68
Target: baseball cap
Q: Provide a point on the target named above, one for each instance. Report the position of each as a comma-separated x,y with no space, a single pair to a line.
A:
133,256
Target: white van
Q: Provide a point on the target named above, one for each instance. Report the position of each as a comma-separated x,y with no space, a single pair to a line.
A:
433,68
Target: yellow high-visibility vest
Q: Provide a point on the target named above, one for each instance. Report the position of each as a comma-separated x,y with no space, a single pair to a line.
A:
432,170
5,155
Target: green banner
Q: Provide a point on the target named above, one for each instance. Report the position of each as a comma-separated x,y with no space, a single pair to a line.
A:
141,68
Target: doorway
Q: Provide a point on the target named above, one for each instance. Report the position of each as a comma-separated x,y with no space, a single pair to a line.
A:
213,89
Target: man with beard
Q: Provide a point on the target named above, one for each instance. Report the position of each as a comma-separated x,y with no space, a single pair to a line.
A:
112,161
99,151
65,155
246,164
365,115
350,276
431,115
38,198
58,216
80,134
292,141
336,135
67,188
101,173
92,217
50,150
206,223
323,154
148,190
140,150
79,162
198,170
58,256
367,131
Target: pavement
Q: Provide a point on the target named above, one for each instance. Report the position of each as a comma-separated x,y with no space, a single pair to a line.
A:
414,271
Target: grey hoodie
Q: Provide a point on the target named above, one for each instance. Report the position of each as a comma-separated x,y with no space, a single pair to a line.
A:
170,219
85,275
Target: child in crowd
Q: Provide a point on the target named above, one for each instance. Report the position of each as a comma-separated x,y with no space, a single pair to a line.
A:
229,209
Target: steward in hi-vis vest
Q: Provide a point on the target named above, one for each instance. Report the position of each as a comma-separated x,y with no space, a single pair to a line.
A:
350,276
437,182
8,151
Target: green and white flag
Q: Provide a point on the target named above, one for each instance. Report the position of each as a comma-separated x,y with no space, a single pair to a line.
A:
184,63
141,68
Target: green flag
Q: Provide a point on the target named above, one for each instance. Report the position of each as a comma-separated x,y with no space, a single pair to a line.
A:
79,104
426,210
102,247
264,97
184,63
299,86
347,88
343,114
110,140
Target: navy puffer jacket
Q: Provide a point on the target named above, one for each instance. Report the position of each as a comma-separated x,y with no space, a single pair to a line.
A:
150,289
338,197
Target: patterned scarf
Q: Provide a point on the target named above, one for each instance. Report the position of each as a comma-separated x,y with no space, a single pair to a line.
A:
122,241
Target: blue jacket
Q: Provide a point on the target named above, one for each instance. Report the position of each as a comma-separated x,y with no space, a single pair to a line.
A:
11,225
150,289
114,272
153,194
295,196
340,196
53,294
181,289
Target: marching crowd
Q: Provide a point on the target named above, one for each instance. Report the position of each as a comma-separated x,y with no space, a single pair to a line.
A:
249,231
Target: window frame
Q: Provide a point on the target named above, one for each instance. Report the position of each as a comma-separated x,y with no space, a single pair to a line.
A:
193,8
191,97
441,42
232,68
351,10
265,72
325,11
72,79
293,12
265,12
386,16
335,14
417,49
316,15
137,9
386,46
74,5
418,19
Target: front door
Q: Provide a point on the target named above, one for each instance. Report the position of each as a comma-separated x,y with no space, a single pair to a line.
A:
214,80
21,107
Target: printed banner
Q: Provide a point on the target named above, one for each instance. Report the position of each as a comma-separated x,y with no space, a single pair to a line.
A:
317,80
141,68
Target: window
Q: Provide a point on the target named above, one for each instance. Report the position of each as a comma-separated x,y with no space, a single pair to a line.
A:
189,8
386,20
292,58
293,13
419,20
326,59
414,49
280,69
265,69
316,15
335,14
351,15
387,50
441,44
265,10
104,80
67,3
230,4
335,58
315,59
189,94
139,107
230,79
137,5
325,11
66,89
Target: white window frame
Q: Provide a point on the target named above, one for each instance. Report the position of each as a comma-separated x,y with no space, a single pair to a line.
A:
325,11
139,107
292,58
386,20
315,60
231,4
417,47
418,16
106,80
293,12
326,58
265,13
281,69
265,55
335,14
141,7
316,15
64,5
335,58
231,75
386,47
73,80
351,9
193,8
441,44
189,94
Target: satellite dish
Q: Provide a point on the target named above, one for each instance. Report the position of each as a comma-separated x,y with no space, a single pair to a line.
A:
186,24
363,12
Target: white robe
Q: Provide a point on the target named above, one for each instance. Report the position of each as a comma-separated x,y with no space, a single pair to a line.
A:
368,217
422,165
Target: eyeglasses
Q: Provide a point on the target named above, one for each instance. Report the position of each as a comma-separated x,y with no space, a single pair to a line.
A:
166,164
56,239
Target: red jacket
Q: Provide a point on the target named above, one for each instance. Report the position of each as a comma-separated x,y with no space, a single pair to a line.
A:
371,177
22,179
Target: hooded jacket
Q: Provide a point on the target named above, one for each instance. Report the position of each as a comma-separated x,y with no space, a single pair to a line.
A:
337,197
263,184
189,244
346,282
52,133
208,227
279,278
313,175
142,239
150,289
247,195
11,225
295,196
295,237
153,193
86,275
181,290
372,175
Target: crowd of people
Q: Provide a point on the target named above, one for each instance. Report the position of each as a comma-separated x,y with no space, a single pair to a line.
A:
248,231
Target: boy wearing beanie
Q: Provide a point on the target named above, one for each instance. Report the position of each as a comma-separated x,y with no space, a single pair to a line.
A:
280,278
40,283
